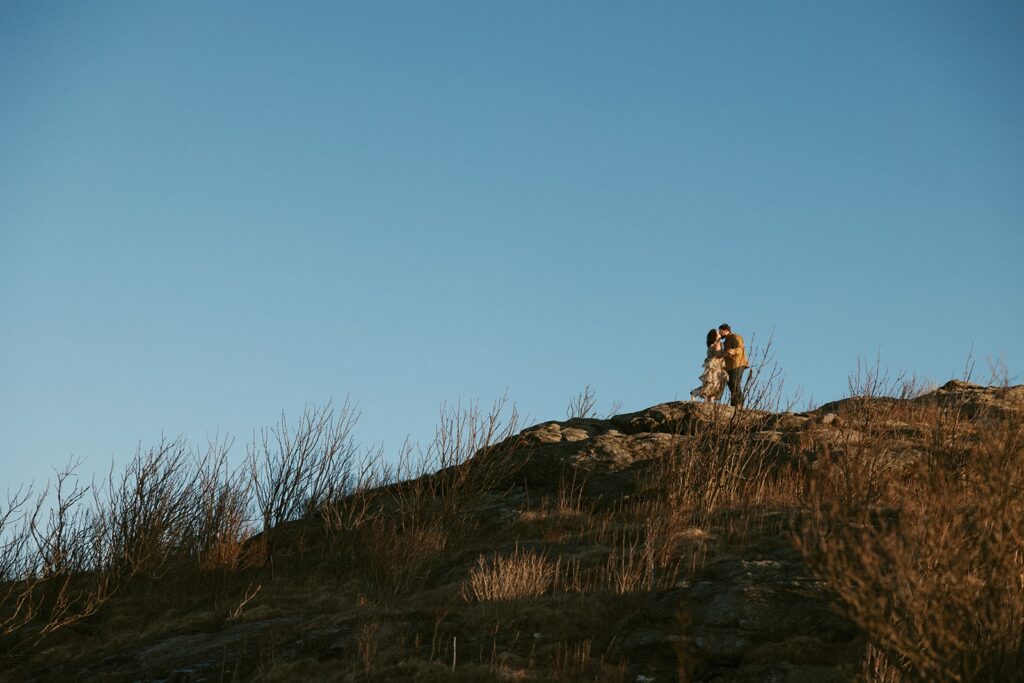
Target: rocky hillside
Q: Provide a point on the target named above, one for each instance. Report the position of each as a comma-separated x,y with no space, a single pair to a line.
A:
682,542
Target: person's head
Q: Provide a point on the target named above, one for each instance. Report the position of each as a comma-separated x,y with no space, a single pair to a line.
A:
712,336
724,329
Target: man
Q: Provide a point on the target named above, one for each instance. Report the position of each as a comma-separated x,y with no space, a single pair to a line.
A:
735,363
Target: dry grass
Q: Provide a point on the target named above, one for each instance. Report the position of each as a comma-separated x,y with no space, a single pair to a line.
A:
519,574
927,559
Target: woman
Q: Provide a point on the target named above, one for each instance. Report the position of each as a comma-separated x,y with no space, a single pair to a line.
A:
714,378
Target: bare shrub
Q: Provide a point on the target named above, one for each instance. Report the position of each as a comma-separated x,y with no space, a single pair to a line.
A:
147,515
582,405
469,453
355,501
669,535
71,584
860,466
566,513
14,535
15,564
401,557
433,494
218,522
53,578
520,574
719,466
724,472
250,594
296,470
937,586
614,409
61,542
763,388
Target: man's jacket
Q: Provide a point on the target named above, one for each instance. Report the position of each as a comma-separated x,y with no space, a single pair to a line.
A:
735,353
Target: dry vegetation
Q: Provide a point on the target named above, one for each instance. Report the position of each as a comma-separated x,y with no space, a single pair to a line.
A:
926,556
316,559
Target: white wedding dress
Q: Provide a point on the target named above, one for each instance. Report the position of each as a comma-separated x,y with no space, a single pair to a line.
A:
714,378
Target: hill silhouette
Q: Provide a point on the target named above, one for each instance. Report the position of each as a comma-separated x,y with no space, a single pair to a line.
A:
877,537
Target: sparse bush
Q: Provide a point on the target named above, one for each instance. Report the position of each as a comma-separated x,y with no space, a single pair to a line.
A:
53,578
148,512
520,574
861,466
295,471
716,480
433,496
935,583
15,537
399,559
356,503
582,405
14,534
61,541
717,467
764,383
220,519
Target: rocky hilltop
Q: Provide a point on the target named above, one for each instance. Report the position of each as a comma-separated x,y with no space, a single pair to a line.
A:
676,543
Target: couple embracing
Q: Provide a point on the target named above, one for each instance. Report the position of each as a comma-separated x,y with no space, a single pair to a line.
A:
724,365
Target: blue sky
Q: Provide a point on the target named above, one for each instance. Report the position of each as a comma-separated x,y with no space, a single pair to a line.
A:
210,213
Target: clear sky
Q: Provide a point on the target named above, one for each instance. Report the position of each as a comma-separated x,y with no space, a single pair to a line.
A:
212,212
